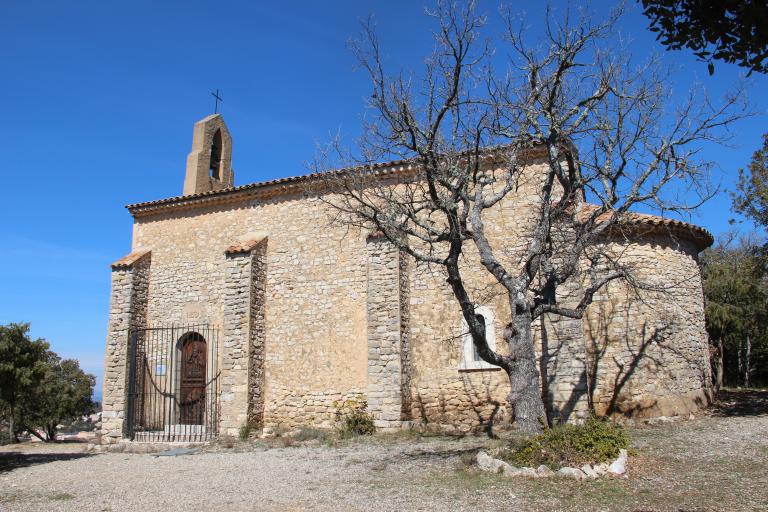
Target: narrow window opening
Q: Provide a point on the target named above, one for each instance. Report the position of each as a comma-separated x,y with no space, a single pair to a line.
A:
471,359
215,165
475,354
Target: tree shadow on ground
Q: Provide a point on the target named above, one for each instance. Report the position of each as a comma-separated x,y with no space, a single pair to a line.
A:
14,460
740,402
445,453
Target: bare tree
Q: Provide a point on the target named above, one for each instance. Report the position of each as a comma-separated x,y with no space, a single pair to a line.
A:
601,125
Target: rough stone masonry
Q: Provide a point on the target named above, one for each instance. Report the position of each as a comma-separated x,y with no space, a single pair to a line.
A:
313,314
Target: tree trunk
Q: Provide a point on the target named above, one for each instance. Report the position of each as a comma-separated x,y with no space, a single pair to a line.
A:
12,429
51,432
719,365
36,434
747,354
543,370
525,395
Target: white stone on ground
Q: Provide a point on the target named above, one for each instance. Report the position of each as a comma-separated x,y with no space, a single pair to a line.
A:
619,466
589,471
515,471
487,463
572,473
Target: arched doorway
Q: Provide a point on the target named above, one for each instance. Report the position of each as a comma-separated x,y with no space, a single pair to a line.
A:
192,373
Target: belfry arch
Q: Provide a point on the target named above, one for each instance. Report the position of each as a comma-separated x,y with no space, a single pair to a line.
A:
209,164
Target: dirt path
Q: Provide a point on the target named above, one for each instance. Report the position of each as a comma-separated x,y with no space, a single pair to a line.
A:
715,462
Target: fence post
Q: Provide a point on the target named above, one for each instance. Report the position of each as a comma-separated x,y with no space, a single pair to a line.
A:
130,413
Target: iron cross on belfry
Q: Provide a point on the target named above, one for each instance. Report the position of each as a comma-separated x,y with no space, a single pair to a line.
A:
217,100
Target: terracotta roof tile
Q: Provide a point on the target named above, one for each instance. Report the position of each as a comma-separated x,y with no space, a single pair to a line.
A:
243,246
129,260
698,234
266,184
383,168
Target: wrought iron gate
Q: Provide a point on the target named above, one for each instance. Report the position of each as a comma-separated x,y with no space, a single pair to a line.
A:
173,383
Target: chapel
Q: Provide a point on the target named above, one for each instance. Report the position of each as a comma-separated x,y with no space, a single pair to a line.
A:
246,306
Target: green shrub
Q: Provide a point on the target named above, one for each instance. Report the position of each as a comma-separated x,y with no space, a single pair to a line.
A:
245,432
593,442
354,419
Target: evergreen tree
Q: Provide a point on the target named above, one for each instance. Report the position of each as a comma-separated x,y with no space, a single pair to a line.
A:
22,367
751,197
64,394
737,313
39,390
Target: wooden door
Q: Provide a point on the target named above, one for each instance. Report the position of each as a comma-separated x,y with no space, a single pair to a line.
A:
192,388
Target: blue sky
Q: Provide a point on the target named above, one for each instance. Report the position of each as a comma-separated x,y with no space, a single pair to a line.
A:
99,99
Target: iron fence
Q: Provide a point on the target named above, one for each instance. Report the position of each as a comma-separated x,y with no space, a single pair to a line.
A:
173,383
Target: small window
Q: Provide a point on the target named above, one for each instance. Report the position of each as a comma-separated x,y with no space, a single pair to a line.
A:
471,360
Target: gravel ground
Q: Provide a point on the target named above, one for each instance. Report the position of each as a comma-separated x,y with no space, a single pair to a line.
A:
714,462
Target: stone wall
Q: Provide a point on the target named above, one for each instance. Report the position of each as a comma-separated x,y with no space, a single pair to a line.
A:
127,311
242,357
647,349
388,359
257,335
322,314
636,353
314,323
233,399
563,366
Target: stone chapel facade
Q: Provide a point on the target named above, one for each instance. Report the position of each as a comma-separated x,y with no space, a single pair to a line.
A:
243,305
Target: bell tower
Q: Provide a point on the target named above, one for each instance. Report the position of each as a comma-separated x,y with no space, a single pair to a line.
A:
209,164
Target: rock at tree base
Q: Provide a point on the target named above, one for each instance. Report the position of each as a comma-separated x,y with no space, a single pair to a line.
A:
487,463
512,471
572,473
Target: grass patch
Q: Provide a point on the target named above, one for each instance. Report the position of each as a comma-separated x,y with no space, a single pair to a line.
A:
61,496
593,442
313,434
